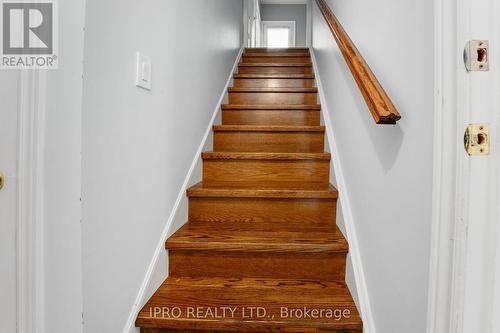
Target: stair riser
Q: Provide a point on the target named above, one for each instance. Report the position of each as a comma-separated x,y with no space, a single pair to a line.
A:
274,83
261,50
275,70
276,265
266,173
248,59
314,212
271,117
299,53
284,142
272,98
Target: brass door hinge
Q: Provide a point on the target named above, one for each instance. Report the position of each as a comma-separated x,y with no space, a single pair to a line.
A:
2,180
477,139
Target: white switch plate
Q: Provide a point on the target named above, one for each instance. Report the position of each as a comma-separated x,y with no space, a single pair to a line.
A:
143,73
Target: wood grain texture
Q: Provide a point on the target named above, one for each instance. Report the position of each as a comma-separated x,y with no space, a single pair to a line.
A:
276,54
273,81
264,211
295,59
266,170
289,265
275,68
266,156
254,237
276,50
276,95
270,107
199,190
270,294
270,97
271,117
261,228
273,76
380,105
295,141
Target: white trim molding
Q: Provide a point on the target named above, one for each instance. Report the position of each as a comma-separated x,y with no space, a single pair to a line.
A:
153,267
444,173
30,245
350,227
462,280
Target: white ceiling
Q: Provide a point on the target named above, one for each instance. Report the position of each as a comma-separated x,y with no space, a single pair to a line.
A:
282,2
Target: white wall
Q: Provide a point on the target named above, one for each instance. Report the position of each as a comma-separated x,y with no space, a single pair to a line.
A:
387,169
8,197
62,177
297,13
138,145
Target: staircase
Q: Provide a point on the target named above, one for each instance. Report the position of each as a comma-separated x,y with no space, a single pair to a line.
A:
261,251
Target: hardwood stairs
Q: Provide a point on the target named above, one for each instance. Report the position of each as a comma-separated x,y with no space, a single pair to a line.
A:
261,251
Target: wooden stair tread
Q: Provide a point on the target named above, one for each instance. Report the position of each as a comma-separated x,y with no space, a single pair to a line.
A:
247,128
274,50
241,294
276,54
265,156
271,90
251,191
253,237
273,76
274,64
285,107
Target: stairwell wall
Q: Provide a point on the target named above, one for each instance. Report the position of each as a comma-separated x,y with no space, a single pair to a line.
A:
288,12
387,170
138,145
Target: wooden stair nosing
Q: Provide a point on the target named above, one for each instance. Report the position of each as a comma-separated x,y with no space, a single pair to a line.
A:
284,107
276,54
199,191
273,76
272,90
274,64
274,50
264,156
238,237
260,128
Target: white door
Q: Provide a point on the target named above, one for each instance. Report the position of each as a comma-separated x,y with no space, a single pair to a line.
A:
8,197
278,34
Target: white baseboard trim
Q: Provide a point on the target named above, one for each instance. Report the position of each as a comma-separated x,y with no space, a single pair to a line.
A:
142,294
351,235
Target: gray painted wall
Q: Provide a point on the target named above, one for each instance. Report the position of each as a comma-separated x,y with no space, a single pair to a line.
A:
138,145
297,13
387,169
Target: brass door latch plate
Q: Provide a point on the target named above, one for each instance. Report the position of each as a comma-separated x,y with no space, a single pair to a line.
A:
2,180
477,139
476,56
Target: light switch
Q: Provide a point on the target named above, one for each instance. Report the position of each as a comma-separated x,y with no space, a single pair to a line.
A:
143,75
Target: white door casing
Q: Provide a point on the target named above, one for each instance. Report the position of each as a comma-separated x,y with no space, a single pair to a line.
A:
8,198
464,292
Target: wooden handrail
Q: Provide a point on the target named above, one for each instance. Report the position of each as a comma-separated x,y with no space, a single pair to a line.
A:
379,103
